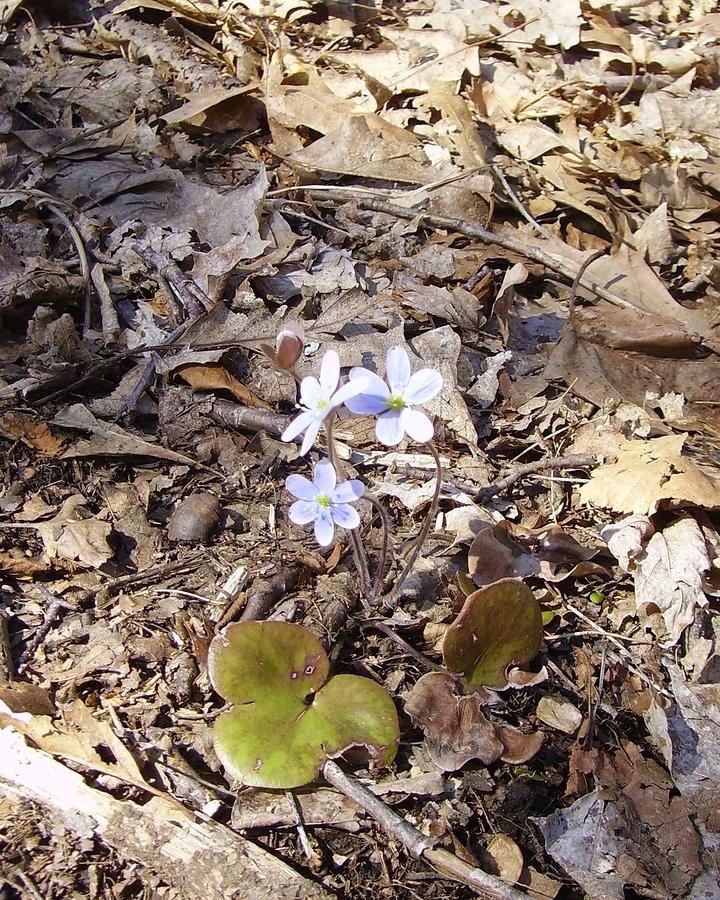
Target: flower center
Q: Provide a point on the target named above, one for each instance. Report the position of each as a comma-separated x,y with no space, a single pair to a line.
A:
322,404
324,501
395,402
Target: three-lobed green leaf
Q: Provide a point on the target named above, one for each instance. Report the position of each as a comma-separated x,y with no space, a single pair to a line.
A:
287,718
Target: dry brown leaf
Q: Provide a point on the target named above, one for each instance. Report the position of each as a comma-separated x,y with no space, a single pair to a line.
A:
669,575
70,536
22,567
31,432
214,377
559,714
650,474
503,857
218,110
111,440
457,731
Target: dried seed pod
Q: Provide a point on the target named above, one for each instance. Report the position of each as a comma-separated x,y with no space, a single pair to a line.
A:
195,518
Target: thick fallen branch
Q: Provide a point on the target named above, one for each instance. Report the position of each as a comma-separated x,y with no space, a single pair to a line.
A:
199,859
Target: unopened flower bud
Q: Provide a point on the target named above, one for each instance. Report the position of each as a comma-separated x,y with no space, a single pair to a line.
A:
289,346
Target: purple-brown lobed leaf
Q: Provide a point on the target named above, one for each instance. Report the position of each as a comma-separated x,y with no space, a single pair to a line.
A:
499,625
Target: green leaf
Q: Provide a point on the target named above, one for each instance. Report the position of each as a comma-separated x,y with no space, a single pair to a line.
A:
499,625
288,719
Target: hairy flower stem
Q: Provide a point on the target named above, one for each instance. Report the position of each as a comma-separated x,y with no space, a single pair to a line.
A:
357,545
422,537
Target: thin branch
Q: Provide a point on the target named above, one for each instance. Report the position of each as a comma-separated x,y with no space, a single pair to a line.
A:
419,657
506,241
382,561
54,608
415,842
578,461
517,203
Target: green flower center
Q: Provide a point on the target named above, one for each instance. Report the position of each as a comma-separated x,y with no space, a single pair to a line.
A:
324,501
395,402
322,404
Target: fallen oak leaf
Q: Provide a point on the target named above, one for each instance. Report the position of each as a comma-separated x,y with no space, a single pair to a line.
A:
32,432
650,474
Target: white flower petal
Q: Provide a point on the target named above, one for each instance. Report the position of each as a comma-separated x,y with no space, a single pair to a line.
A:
329,373
417,425
311,433
361,372
301,487
397,369
325,477
324,527
389,429
297,426
345,516
347,391
373,398
423,386
302,512
367,404
348,491
310,392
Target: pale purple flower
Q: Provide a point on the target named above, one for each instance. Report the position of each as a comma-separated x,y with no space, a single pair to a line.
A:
318,399
395,399
324,501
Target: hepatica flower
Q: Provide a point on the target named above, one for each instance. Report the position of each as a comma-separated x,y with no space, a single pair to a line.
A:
324,501
394,400
318,399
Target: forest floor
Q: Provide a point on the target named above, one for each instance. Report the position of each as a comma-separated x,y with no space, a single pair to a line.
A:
525,197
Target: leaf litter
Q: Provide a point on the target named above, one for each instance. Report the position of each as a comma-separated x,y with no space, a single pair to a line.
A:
523,196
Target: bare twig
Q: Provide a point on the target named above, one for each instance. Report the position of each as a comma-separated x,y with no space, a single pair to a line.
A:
382,559
419,657
506,241
415,842
247,418
82,254
53,610
621,654
192,297
578,277
517,203
578,461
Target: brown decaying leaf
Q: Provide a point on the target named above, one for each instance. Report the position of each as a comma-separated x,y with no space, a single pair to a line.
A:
503,857
213,377
70,536
32,432
456,729
633,830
